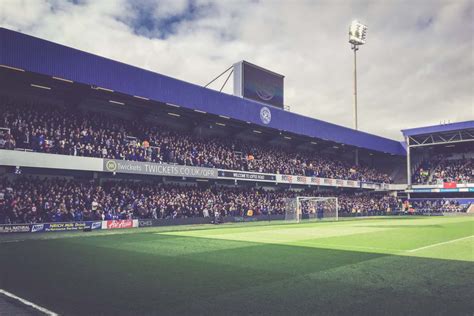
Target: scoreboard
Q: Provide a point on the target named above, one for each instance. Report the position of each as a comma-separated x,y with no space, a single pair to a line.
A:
258,84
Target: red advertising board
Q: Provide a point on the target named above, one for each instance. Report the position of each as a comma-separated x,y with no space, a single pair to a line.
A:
449,185
125,223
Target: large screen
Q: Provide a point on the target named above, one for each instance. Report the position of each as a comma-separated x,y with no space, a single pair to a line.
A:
256,83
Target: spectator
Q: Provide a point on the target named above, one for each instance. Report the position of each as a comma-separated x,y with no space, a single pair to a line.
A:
52,129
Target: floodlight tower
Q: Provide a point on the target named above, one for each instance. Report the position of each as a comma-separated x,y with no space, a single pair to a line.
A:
357,35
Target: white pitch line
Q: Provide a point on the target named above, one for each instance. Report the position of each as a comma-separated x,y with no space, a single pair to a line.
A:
440,243
28,303
13,240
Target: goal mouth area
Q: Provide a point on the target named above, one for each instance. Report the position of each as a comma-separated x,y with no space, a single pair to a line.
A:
311,208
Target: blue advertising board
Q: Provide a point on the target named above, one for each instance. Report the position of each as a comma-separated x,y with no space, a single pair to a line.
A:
421,190
61,227
449,190
50,227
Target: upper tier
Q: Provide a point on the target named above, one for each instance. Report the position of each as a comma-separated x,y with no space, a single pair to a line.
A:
43,57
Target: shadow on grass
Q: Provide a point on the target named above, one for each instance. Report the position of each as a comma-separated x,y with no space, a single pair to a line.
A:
162,274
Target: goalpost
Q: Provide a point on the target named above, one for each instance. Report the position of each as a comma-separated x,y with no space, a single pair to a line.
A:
311,208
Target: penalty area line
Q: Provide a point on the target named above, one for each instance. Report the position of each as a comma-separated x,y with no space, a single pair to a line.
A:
9,241
28,303
439,244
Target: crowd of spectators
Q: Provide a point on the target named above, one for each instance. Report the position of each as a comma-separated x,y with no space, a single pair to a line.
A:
422,173
460,171
441,168
57,130
36,200
436,206
368,204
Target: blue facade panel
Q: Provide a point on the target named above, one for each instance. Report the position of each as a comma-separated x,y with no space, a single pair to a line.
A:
44,57
438,128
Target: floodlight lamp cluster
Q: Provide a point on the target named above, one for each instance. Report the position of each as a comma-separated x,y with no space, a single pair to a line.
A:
357,33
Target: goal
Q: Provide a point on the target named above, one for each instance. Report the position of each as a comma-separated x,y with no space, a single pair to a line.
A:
311,208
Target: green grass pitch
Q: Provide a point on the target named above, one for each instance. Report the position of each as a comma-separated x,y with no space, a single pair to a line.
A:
413,265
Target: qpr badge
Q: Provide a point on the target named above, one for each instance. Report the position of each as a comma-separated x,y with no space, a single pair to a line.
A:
111,166
265,115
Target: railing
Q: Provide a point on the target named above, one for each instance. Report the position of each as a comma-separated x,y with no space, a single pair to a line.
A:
3,130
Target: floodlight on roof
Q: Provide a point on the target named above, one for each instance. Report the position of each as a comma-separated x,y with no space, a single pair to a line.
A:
357,33
357,37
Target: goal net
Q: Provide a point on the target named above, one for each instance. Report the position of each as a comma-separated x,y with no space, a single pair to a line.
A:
311,208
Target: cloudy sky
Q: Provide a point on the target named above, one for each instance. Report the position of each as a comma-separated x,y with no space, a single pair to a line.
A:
416,69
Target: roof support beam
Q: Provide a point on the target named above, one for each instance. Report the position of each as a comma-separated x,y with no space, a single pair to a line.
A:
443,143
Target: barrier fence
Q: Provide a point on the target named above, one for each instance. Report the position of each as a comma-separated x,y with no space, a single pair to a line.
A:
122,224
135,223
50,227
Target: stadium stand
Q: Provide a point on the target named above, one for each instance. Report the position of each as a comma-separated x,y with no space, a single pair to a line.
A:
59,130
26,199
439,206
422,173
89,144
446,168
450,170
58,106
441,154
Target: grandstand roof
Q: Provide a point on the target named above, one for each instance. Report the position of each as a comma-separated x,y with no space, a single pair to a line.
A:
43,57
442,128
443,134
